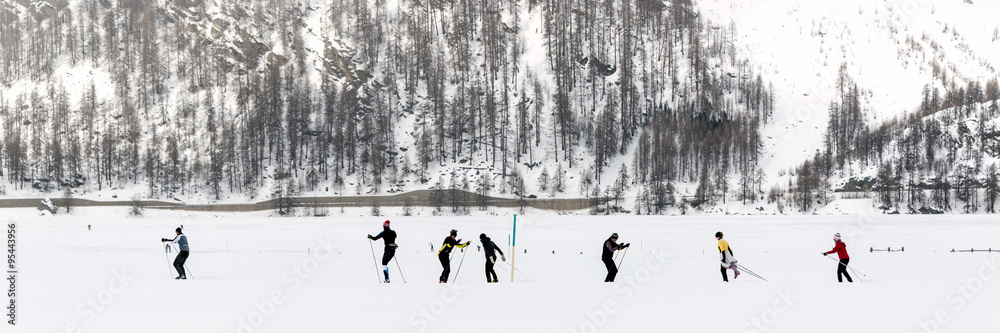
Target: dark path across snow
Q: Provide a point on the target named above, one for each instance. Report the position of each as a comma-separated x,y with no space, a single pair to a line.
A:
421,198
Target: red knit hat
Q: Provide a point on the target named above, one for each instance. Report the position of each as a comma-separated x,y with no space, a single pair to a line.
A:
386,224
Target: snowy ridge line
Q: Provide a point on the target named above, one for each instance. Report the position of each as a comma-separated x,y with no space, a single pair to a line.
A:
415,198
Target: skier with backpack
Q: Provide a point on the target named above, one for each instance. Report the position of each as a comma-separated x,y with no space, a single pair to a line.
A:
728,261
610,246
389,237
181,240
840,248
443,253
491,257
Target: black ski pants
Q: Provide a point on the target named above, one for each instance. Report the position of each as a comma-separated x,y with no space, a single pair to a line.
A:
491,275
446,267
725,277
612,269
842,270
179,263
387,255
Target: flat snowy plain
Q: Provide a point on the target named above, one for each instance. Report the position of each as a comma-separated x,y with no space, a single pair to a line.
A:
252,273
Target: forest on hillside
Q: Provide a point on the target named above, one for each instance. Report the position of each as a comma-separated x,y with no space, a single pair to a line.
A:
942,157
282,97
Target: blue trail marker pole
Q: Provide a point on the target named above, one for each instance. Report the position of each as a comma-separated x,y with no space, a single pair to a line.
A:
513,246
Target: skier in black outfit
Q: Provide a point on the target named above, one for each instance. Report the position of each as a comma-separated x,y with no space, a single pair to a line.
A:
491,257
610,247
389,236
449,243
182,242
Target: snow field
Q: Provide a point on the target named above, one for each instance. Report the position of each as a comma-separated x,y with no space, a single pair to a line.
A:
259,274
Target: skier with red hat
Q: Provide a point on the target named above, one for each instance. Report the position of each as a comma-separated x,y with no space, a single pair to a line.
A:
389,237
841,249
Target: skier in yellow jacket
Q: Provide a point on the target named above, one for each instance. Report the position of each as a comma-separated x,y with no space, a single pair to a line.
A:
443,254
728,261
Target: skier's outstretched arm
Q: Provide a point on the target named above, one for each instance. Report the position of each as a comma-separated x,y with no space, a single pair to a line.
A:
376,236
176,238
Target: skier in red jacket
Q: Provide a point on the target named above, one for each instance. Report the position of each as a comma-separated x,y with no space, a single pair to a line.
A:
841,249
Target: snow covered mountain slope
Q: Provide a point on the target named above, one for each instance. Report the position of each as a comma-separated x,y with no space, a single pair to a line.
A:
891,49
652,105
209,100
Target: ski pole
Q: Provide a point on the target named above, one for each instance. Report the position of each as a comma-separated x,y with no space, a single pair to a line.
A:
519,272
751,272
756,276
623,258
400,269
187,270
848,267
855,271
515,269
374,261
166,256
459,266
503,268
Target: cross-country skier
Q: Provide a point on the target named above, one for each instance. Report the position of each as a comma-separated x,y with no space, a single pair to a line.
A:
181,241
389,236
610,247
449,243
841,249
728,261
491,257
